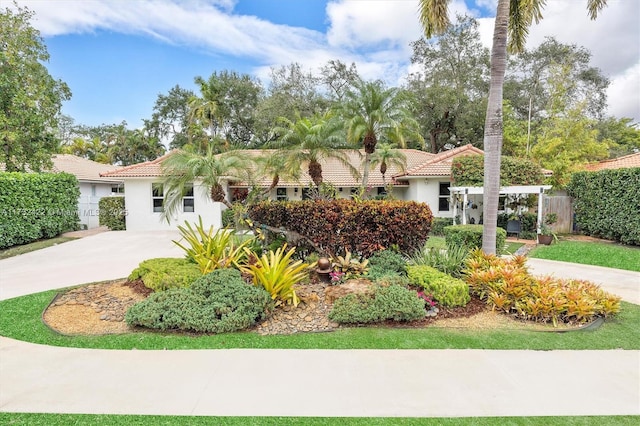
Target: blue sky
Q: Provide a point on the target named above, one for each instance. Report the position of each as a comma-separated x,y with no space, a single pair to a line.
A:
117,56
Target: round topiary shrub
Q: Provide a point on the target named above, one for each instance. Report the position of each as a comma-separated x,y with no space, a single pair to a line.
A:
218,302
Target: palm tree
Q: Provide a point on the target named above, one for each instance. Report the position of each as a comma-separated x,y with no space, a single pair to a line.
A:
276,165
309,141
387,155
373,113
513,19
182,168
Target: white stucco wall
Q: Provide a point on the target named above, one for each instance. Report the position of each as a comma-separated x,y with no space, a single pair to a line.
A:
427,190
141,217
90,194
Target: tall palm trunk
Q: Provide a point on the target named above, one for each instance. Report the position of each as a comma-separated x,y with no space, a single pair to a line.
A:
315,171
370,142
493,129
219,195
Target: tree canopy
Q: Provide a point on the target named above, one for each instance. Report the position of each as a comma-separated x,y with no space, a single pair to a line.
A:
30,98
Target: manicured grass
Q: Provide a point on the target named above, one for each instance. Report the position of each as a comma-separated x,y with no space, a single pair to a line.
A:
38,419
437,242
512,247
609,255
20,318
36,245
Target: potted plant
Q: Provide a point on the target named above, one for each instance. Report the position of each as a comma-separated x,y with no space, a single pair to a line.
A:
546,235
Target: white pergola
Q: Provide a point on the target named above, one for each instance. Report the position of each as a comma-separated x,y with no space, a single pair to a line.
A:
465,191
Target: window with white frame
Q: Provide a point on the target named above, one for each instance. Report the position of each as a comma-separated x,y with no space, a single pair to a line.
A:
188,200
281,194
117,189
443,197
157,197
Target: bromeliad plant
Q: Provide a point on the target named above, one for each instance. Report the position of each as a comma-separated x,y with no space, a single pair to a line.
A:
507,286
349,266
278,274
213,250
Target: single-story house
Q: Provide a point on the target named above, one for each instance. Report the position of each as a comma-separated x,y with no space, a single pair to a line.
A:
92,185
426,178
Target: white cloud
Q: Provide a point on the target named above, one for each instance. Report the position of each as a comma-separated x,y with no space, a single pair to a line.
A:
374,34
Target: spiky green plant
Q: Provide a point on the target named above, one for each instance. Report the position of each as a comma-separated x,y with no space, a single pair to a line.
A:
212,250
278,274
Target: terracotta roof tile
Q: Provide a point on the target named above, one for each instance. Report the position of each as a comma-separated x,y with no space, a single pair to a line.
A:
627,161
440,164
147,169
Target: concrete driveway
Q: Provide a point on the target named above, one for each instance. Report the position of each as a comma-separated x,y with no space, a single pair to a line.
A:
104,256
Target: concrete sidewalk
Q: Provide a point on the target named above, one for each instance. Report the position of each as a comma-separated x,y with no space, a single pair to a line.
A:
378,383
36,378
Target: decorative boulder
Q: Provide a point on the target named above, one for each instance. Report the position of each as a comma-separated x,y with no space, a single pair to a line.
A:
355,286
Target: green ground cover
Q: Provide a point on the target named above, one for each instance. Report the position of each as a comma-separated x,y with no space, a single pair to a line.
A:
20,318
37,419
36,245
609,255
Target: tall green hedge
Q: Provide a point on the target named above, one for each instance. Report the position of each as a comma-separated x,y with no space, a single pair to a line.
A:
36,205
607,203
469,171
361,227
112,213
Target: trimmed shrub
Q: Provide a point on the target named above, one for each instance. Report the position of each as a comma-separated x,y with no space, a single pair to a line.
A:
385,303
162,273
362,227
112,213
34,206
438,225
219,302
228,218
448,291
470,236
468,170
606,203
386,263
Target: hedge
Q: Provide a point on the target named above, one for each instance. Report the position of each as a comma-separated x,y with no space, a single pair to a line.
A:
607,203
469,171
112,213
362,227
470,236
34,206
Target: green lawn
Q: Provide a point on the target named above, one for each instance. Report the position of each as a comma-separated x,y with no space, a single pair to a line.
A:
610,255
38,419
20,318
37,245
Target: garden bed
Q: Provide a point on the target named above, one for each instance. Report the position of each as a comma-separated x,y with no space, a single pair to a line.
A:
99,309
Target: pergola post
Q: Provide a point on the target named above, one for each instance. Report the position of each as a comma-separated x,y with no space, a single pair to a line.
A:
464,206
539,221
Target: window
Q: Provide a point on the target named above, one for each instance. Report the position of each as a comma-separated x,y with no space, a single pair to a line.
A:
443,197
382,191
117,189
188,201
281,194
93,190
157,197
306,194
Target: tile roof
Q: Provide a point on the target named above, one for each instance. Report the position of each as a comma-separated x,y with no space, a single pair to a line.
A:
627,161
82,168
419,163
147,169
440,164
